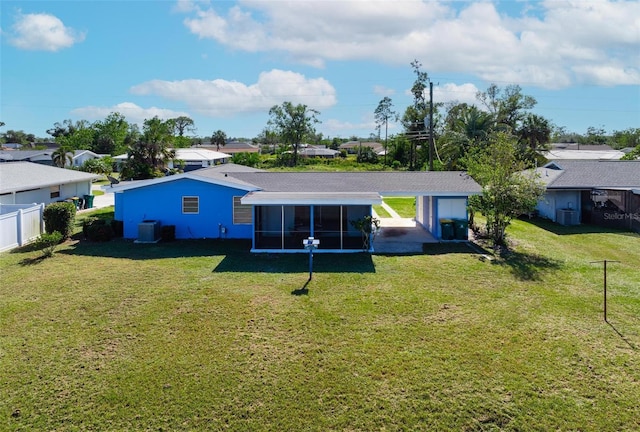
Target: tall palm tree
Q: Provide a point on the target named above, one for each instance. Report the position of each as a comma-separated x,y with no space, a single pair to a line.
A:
474,124
219,138
61,156
535,131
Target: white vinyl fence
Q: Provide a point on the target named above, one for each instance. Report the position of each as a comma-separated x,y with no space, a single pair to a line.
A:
20,224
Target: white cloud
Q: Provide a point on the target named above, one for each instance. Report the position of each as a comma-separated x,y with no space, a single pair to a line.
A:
553,45
42,32
132,112
464,93
189,5
222,98
383,91
334,127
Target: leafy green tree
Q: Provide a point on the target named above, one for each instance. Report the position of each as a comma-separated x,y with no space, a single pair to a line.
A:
102,166
293,123
633,154
508,105
110,135
218,138
78,136
246,159
626,138
67,127
399,151
507,191
148,157
383,113
267,138
597,136
182,125
413,119
18,136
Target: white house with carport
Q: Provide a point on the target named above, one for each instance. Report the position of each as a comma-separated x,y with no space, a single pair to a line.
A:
189,158
277,210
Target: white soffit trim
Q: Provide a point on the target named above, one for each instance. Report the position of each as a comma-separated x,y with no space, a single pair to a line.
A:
311,198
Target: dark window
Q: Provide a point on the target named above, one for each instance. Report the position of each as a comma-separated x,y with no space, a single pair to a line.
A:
241,212
190,204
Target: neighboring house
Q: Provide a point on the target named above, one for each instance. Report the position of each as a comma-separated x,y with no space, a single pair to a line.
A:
45,156
277,210
353,147
318,152
81,156
574,151
604,193
36,156
193,158
27,182
233,147
196,158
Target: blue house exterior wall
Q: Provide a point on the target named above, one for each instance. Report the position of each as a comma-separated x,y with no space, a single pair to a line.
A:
163,202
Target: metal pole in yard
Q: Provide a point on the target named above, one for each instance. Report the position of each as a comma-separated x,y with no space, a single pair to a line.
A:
604,284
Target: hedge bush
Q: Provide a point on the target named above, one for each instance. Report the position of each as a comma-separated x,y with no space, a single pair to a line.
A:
60,217
95,229
48,242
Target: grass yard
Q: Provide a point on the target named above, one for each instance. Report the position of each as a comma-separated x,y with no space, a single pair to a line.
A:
404,206
202,335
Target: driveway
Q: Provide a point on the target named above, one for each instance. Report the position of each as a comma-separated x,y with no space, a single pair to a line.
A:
400,235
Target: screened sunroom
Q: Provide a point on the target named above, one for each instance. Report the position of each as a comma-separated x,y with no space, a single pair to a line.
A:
282,221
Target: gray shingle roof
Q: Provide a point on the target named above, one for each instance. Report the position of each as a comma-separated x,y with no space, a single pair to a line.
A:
21,155
385,183
576,174
20,176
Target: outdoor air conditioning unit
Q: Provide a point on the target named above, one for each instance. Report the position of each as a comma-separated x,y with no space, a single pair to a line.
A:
148,231
567,217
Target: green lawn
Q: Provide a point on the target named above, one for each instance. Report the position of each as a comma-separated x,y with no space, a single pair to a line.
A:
404,206
202,335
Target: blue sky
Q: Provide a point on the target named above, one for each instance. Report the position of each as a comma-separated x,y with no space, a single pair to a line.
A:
224,63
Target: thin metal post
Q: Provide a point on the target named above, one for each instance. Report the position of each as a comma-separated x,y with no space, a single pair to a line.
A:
605,291
604,284
311,264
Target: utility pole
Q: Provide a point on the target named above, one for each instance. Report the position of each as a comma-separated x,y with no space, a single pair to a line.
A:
431,143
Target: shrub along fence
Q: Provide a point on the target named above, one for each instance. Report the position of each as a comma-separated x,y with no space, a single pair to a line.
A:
20,224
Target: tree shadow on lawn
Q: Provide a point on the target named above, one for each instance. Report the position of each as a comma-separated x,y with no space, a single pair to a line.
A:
558,229
123,248
526,266
236,255
296,263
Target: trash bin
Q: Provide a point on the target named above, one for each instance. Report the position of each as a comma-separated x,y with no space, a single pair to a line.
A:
88,201
76,202
461,227
446,229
